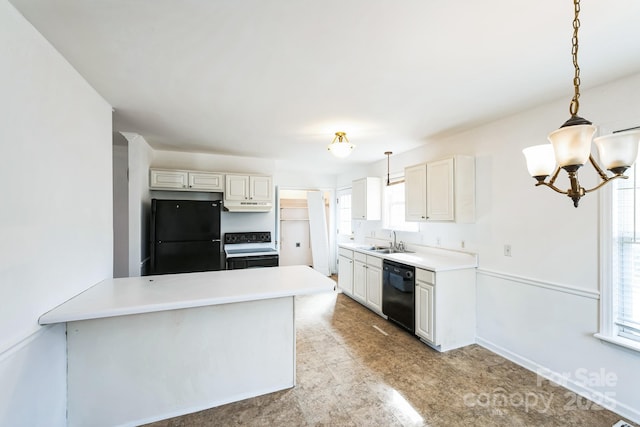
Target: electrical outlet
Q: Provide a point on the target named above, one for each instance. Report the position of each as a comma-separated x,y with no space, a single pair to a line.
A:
507,250
462,244
437,241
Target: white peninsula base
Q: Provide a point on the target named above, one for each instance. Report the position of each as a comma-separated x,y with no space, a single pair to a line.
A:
149,348
135,369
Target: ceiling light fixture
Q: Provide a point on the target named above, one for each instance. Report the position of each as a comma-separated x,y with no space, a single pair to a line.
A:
389,182
570,146
340,148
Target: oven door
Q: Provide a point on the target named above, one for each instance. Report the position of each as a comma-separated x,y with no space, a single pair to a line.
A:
257,261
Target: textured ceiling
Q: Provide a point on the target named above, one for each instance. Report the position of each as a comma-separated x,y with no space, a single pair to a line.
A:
276,79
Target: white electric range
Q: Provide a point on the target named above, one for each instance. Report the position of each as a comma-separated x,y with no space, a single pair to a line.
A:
250,250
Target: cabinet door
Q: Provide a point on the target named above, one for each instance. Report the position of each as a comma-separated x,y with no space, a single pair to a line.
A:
415,193
205,181
374,288
424,311
260,188
359,199
360,281
168,179
345,274
236,187
440,190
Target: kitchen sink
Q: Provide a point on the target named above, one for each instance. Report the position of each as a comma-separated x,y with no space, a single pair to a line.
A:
384,250
390,251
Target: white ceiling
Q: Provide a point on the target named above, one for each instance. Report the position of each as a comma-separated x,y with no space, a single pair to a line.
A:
277,78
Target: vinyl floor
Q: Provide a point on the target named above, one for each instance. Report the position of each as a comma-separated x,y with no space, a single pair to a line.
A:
356,369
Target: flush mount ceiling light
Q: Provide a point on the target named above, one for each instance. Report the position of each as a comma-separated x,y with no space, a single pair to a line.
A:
340,147
570,146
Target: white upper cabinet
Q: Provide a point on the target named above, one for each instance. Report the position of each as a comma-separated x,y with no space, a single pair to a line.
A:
248,187
415,195
365,199
237,187
443,190
260,188
168,179
206,181
440,181
162,179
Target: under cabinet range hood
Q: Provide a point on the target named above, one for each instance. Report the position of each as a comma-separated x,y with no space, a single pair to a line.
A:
247,206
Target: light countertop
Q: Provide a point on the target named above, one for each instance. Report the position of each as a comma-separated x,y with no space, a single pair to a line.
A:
424,257
135,295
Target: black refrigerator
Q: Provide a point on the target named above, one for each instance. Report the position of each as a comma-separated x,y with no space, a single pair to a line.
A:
185,236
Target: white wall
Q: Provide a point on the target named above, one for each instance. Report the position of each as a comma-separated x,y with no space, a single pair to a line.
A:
56,217
140,157
538,307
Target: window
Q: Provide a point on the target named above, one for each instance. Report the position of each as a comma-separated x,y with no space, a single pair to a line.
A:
620,290
344,212
625,253
393,211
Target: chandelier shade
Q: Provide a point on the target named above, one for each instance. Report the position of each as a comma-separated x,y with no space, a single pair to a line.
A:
540,160
340,146
572,144
619,150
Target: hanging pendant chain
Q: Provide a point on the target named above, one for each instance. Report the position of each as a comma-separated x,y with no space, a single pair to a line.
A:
575,104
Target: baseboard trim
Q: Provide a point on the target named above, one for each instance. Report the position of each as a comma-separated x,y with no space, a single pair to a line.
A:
572,290
570,384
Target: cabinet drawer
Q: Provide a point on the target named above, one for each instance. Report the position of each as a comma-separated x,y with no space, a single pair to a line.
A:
425,276
359,256
345,253
374,261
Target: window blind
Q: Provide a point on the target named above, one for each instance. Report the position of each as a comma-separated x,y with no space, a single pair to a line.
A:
626,255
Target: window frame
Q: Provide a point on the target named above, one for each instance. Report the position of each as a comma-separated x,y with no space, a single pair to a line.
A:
608,330
407,226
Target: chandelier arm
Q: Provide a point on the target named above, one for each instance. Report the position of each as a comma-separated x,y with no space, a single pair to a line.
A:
602,174
605,182
554,177
551,186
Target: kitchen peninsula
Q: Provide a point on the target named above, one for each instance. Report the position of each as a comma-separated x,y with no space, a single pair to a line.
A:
142,349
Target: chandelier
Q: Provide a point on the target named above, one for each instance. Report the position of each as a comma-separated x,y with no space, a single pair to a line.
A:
570,146
340,146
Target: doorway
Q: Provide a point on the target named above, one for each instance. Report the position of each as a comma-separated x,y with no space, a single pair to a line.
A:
296,246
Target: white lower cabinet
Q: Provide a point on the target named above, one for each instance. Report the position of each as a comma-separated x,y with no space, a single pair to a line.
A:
424,304
374,283
446,308
359,280
345,271
367,281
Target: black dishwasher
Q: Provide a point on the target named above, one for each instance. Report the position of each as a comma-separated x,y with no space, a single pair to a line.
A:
398,289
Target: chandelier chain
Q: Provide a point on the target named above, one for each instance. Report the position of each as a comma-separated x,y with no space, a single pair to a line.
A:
574,106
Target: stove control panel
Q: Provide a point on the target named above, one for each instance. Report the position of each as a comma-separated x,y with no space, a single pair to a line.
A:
252,237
